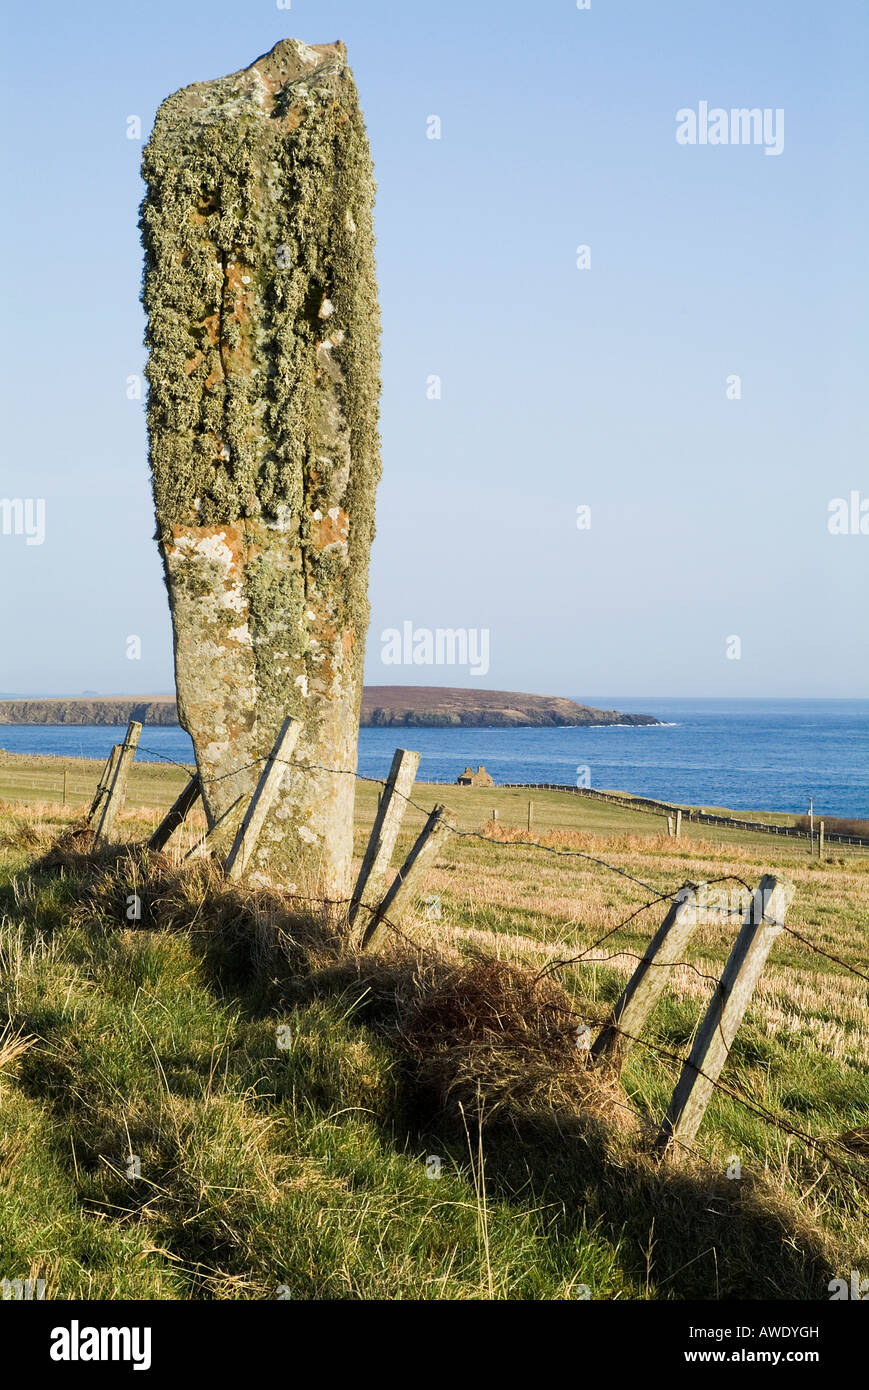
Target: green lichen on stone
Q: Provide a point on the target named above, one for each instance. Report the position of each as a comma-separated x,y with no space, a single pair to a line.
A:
263,337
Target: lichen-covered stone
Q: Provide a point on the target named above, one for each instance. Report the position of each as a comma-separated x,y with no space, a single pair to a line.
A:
263,331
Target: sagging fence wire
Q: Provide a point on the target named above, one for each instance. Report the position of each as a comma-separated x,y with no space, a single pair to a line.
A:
669,895
594,1021
754,1107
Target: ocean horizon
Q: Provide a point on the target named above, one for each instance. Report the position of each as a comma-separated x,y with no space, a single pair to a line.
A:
752,754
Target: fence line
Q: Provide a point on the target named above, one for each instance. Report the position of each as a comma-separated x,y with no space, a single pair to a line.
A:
691,813
528,844
736,989
630,803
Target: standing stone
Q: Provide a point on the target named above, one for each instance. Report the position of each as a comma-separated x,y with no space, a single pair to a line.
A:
263,331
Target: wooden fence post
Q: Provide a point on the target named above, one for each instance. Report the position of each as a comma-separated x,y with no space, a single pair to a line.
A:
263,798
63,794
670,826
391,807
117,790
678,824
494,813
761,925
176,814
646,985
820,839
399,892
106,776
203,847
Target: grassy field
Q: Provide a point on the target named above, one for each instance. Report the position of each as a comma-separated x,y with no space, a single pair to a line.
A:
418,1123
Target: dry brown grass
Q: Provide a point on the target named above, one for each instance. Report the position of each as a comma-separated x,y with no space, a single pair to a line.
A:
488,1038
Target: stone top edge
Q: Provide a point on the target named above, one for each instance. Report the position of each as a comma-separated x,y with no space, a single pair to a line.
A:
289,62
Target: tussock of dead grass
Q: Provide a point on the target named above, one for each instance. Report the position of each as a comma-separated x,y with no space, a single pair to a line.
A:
488,1038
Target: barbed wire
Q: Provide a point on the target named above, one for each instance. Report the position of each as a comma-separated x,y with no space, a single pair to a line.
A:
665,896
754,1107
762,1112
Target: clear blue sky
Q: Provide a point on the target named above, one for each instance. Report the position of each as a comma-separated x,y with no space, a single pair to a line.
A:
560,387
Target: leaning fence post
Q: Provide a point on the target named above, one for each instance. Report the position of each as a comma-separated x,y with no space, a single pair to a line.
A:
761,925
106,776
117,790
387,823
646,985
400,889
176,814
212,837
263,798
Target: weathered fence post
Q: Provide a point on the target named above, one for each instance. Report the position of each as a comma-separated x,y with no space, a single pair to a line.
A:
494,813
820,839
176,814
391,807
762,923
399,892
647,983
670,826
63,794
678,824
213,838
116,791
106,776
263,798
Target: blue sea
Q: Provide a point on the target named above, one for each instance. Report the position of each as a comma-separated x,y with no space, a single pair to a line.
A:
763,755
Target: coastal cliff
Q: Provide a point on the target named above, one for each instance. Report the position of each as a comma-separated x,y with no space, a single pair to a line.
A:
383,706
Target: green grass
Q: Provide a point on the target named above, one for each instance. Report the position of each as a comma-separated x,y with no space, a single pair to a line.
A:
283,1125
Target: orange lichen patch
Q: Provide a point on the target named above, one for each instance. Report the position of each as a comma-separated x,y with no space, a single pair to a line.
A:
213,377
325,677
239,279
293,119
330,529
190,367
239,304
211,324
230,536
348,637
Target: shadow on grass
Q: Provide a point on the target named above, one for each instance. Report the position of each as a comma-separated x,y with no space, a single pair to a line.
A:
478,1043
558,1139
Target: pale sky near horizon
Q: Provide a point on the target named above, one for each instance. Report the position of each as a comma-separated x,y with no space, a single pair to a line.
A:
561,387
